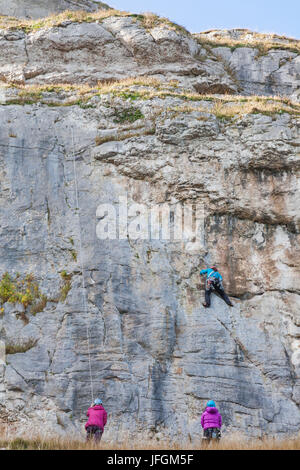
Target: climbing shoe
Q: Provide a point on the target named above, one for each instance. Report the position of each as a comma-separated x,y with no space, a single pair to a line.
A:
205,305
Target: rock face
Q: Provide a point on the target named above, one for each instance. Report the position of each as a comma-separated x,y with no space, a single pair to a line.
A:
156,354
41,8
116,48
119,47
275,71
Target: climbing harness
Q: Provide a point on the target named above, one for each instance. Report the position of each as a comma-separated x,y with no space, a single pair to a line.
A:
84,300
211,282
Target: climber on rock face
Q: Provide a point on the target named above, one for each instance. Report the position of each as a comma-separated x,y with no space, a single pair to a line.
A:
214,282
96,422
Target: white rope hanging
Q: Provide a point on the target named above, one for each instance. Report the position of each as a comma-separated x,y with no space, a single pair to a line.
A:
84,300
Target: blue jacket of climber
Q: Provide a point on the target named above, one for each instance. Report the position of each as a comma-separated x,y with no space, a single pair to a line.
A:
211,273
214,282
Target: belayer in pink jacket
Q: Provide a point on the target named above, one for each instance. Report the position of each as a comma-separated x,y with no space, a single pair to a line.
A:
211,419
97,420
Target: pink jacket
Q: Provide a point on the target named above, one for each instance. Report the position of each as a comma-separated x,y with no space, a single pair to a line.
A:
211,418
97,416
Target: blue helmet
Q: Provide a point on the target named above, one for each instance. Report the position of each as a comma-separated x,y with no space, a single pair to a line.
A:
211,404
98,401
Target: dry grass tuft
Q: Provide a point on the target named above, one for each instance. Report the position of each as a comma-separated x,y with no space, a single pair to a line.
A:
224,106
151,20
29,26
227,108
147,20
125,135
15,348
126,83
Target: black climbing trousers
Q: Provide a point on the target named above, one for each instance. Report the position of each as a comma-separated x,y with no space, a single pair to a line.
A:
94,432
212,433
219,289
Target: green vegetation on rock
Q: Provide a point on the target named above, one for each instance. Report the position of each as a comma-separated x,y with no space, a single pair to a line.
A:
23,291
66,287
128,115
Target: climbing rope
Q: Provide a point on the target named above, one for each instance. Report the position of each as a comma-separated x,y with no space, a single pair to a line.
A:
84,300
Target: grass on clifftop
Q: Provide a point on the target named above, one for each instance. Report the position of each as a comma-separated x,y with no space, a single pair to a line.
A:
147,20
262,42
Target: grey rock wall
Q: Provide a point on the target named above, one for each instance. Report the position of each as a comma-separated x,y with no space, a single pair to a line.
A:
116,48
35,9
120,47
157,355
262,64
275,73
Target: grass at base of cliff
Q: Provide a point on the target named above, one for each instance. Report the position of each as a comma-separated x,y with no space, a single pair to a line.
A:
230,442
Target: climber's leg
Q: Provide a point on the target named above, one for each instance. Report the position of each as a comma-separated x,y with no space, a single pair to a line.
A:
89,433
207,297
93,433
223,294
98,435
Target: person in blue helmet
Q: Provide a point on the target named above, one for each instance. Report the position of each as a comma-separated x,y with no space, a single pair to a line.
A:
214,282
211,421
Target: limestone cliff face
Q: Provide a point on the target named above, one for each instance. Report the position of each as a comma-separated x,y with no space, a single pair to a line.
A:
113,49
263,64
157,355
41,8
